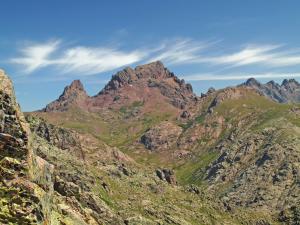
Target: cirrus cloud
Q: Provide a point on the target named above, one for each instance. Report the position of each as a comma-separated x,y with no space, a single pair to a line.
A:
87,60
78,59
36,56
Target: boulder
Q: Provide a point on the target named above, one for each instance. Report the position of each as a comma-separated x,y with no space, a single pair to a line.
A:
161,137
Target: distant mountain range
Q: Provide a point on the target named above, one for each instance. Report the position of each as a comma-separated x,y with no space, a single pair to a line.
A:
288,91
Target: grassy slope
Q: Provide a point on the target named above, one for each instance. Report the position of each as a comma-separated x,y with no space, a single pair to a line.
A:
117,129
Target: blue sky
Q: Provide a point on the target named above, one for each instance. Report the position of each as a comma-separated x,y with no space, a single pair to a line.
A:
44,45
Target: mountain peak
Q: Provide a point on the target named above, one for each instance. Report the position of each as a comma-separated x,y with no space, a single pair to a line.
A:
252,82
286,82
73,94
76,87
145,82
76,84
156,64
272,84
153,70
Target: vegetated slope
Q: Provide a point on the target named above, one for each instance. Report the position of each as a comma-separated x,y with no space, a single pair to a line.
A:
113,189
255,165
239,145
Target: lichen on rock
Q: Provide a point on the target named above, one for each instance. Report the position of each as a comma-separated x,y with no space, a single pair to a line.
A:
20,198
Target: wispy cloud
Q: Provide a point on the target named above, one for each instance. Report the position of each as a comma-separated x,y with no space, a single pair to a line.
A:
180,51
36,56
87,60
249,55
187,51
79,59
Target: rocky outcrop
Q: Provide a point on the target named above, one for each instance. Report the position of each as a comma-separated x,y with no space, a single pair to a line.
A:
288,91
20,197
71,186
161,137
205,131
261,169
166,175
73,95
62,138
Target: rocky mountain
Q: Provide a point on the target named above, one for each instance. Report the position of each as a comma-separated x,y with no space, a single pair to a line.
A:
151,84
145,83
288,91
147,150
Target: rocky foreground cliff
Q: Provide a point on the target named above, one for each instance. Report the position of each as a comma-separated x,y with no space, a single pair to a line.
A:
24,195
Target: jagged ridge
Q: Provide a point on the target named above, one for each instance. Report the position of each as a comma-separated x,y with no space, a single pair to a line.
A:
288,91
128,86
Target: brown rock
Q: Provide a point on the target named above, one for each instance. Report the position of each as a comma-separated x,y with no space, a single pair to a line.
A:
161,137
73,95
167,175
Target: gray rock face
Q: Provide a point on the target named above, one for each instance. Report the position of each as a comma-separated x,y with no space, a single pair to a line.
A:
60,137
288,91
